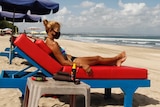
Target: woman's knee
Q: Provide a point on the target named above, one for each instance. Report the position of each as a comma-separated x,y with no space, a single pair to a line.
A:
98,58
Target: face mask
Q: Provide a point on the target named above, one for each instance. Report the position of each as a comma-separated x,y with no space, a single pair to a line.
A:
57,35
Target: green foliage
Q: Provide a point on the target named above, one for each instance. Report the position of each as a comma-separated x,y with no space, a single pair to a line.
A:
6,24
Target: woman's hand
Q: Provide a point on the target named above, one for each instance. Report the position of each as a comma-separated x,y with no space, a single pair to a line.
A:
87,68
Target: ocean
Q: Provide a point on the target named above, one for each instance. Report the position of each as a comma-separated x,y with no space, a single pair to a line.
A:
125,40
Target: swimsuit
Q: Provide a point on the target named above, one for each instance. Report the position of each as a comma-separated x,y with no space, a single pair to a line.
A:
73,58
65,55
63,51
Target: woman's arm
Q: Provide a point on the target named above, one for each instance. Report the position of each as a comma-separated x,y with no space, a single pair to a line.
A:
61,59
57,53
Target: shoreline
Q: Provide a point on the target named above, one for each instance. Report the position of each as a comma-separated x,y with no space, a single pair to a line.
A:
115,44
136,57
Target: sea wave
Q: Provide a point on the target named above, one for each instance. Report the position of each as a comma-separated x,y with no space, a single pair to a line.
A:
140,41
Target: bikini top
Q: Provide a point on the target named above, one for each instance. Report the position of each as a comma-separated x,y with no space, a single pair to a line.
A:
63,51
65,54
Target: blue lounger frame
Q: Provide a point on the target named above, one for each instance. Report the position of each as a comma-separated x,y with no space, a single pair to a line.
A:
128,86
10,54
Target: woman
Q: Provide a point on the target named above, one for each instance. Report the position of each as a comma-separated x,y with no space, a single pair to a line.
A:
53,32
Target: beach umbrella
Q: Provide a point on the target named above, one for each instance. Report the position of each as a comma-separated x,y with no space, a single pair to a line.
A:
19,17
32,18
39,7
43,32
34,32
33,28
6,29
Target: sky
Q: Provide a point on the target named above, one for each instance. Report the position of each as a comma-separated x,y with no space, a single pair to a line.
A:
105,16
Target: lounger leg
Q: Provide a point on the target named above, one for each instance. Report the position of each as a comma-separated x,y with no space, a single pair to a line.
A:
128,96
25,103
107,92
11,53
72,101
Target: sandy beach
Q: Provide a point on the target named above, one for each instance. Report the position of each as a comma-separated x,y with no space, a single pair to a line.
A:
136,57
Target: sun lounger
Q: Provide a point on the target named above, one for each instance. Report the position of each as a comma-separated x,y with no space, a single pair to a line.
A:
10,54
7,52
124,77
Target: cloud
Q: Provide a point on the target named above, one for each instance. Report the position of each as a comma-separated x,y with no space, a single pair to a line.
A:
132,8
97,9
99,18
87,4
130,18
64,11
62,15
139,16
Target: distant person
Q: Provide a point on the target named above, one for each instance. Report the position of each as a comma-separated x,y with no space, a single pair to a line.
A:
24,32
53,32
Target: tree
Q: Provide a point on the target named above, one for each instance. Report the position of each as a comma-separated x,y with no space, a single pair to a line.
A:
6,24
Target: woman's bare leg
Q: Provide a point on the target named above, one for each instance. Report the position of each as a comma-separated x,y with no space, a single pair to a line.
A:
117,60
98,60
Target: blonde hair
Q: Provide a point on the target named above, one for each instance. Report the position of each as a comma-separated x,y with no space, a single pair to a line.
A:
50,25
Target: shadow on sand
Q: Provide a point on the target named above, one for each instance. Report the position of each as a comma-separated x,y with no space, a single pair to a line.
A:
97,100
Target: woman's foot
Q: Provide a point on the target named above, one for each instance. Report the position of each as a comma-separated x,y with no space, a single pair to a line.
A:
121,58
121,55
120,61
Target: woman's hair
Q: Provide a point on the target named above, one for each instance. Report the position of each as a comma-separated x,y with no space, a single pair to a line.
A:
50,25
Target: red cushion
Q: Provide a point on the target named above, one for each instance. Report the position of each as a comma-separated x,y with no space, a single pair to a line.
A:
37,54
110,72
43,46
52,66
